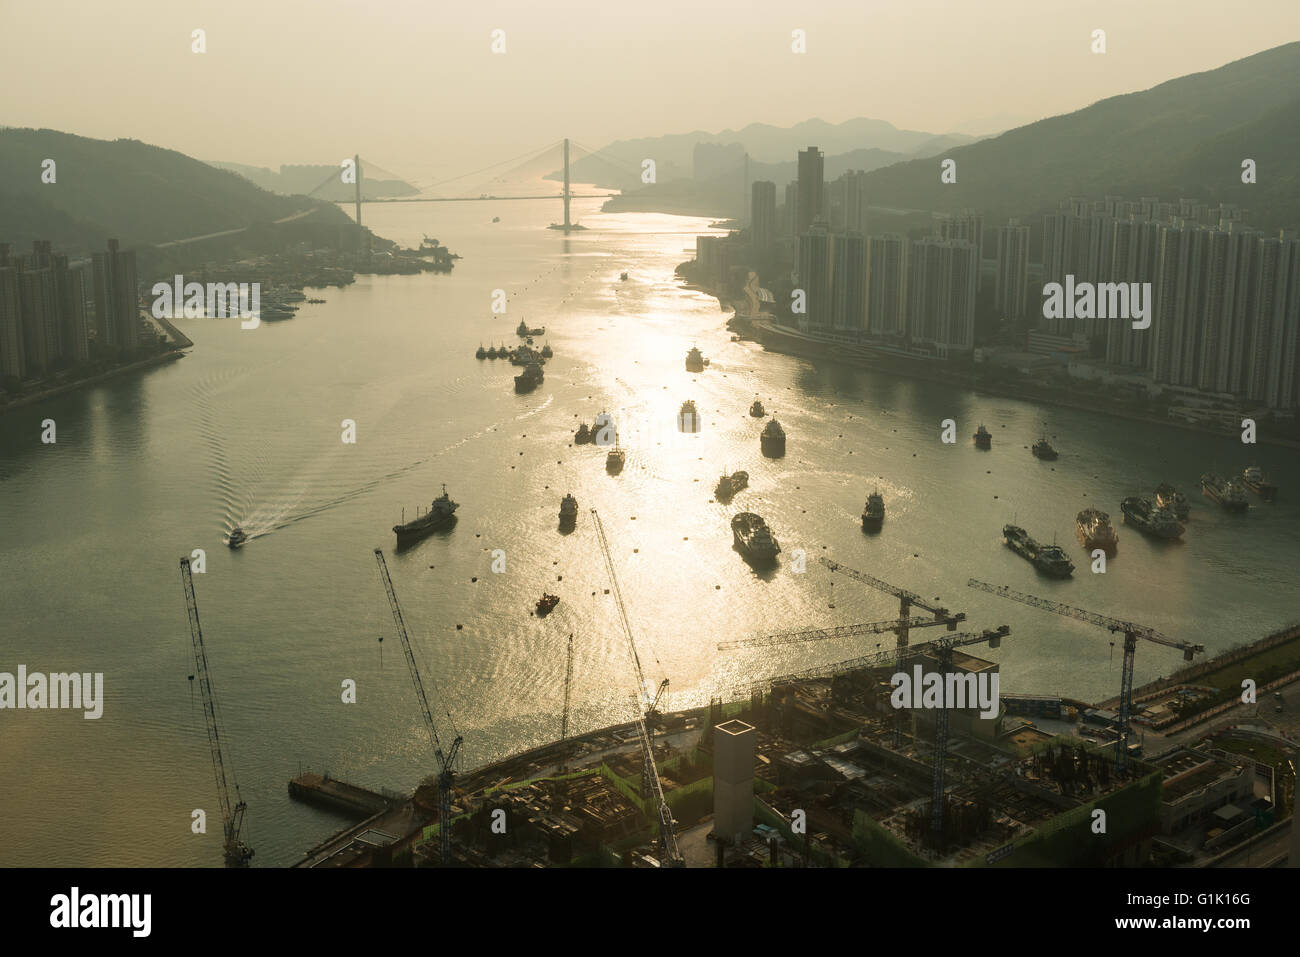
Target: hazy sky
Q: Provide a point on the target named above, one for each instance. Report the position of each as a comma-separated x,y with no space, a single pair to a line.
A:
413,85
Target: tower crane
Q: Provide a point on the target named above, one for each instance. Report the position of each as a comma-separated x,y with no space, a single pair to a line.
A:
564,719
232,814
942,649
1132,632
906,600
839,631
447,761
668,850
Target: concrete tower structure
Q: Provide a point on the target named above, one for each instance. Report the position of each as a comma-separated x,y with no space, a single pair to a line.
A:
733,780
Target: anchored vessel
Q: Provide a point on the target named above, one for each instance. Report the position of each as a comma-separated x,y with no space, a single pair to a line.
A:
688,420
1049,559
1227,492
983,438
873,515
523,331
1255,480
547,351
482,353
1095,531
237,537
546,603
1151,519
757,410
568,510
695,361
614,460
754,538
584,435
1043,449
1169,497
622,275
530,378
440,514
772,440
729,485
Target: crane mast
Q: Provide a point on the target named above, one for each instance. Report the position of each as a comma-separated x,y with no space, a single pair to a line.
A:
668,849
568,681
1132,632
446,761
232,813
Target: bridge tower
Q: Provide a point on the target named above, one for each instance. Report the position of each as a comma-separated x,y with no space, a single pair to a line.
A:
356,169
567,225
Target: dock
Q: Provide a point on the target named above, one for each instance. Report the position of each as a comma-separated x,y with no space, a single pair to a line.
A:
323,791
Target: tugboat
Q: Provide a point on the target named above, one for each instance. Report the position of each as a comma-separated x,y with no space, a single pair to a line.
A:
757,410
529,379
1255,480
754,538
237,537
1095,531
695,360
547,351
481,353
1043,449
615,460
772,440
983,438
568,511
1224,491
1169,497
688,420
1151,519
729,485
873,516
584,435
440,514
546,603
1048,559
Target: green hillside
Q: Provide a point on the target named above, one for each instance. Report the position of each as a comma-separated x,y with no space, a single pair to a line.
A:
138,193
1183,138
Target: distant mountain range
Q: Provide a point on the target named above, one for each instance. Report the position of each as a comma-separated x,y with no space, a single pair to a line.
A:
304,180
875,142
1184,138
138,193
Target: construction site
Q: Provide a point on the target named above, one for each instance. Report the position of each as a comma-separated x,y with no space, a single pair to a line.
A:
826,767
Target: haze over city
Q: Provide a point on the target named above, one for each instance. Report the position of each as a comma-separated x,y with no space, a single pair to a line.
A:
415,85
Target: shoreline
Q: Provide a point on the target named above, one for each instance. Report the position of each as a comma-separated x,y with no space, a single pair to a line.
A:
175,352
916,370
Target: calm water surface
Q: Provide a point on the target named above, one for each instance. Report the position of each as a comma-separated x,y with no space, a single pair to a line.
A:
246,431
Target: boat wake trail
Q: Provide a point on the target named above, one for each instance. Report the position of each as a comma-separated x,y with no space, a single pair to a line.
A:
314,495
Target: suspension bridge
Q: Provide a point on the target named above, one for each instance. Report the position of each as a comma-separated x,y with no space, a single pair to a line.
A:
527,167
